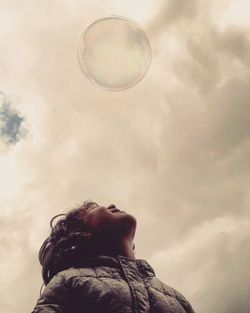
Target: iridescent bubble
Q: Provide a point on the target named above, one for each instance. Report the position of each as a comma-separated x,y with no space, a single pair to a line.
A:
114,53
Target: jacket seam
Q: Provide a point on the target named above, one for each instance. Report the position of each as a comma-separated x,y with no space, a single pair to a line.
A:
91,276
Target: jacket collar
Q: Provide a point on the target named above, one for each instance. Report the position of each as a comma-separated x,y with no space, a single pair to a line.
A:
138,265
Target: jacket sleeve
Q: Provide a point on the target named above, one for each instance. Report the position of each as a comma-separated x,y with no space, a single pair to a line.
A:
186,305
184,302
55,297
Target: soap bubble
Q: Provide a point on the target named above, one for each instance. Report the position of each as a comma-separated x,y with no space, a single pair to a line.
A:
114,53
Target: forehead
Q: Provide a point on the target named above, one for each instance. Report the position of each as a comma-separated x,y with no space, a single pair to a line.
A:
88,204
80,210
83,209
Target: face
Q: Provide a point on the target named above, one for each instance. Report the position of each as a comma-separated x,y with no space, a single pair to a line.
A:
111,220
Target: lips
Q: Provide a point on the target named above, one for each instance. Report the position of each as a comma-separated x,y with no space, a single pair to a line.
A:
115,210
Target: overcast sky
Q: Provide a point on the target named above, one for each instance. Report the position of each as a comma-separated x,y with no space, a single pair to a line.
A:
174,150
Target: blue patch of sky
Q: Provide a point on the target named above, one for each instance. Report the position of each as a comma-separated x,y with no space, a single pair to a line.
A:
11,128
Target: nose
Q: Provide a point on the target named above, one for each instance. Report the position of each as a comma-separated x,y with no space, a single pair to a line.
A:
111,206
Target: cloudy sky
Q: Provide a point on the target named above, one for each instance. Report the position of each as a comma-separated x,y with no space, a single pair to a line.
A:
174,150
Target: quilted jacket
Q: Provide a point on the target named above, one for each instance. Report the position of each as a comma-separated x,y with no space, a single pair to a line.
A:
107,284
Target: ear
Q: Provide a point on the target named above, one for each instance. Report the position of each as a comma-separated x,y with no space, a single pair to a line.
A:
133,246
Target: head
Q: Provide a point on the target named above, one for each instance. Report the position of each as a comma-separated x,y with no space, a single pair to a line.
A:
86,231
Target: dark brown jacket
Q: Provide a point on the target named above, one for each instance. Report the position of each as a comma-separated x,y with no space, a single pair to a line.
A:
110,285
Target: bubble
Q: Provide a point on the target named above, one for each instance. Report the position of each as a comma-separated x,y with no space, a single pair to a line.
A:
114,53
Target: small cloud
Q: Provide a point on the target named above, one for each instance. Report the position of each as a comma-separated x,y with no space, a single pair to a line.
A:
11,122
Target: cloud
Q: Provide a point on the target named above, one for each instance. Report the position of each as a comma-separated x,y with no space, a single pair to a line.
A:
173,150
17,262
216,257
171,12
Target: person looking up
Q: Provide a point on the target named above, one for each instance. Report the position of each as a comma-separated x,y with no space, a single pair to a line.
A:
89,266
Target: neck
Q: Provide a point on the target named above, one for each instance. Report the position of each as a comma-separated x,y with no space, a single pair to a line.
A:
122,247
126,249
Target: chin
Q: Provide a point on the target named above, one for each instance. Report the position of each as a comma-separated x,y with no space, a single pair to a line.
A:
129,221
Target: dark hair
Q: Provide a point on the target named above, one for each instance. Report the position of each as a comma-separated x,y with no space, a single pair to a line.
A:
67,245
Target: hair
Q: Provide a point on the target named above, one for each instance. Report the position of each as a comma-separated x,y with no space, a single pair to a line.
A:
67,244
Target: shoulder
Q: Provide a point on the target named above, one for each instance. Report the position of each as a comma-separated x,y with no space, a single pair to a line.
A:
70,276
173,293
65,281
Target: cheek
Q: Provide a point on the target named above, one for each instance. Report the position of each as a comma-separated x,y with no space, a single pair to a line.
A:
98,221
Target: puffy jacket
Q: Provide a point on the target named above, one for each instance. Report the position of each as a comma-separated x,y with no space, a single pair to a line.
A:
110,285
